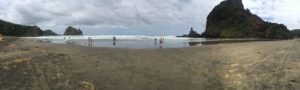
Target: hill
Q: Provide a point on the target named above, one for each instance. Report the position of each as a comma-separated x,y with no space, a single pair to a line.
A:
11,29
49,33
296,32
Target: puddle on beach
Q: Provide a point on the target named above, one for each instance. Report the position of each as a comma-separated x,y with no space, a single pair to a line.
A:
138,43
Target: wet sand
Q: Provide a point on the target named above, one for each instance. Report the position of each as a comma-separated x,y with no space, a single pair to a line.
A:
31,65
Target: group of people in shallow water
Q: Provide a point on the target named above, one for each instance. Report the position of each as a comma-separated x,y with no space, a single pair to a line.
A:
90,41
161,41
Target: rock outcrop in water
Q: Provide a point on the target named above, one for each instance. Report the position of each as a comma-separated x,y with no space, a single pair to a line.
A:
11,29
229,19
72,31
192,34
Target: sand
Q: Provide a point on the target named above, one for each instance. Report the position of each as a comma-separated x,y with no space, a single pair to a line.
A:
30,65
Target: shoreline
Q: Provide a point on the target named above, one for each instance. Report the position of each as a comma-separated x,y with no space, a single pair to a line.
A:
252,65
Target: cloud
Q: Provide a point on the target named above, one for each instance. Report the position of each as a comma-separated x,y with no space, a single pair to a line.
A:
280,11
134,16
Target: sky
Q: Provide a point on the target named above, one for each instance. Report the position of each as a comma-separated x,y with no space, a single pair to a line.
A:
135,17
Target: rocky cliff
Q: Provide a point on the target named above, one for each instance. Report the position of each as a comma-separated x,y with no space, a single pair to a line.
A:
229,19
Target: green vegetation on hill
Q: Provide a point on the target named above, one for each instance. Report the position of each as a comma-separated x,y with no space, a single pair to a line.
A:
49,33
72,31
276,31
229,19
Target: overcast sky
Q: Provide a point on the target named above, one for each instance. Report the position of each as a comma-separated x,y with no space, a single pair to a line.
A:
150,17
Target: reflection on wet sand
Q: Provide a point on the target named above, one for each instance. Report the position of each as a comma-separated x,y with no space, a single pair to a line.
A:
227,41
114,43
194,43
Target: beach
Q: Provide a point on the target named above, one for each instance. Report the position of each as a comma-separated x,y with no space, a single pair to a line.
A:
26,64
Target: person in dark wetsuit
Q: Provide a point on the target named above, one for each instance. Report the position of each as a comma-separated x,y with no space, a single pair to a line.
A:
114,40
155,41
90,42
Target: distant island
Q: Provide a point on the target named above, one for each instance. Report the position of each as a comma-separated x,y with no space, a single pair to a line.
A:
229,19
72,31
11,29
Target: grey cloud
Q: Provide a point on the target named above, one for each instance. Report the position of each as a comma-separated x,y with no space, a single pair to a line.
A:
280,11
93,12
29,16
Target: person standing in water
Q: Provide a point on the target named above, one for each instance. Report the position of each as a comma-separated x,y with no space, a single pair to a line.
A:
90,42
155,41
114,40
161,41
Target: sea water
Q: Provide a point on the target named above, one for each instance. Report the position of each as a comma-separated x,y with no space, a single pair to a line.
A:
124,41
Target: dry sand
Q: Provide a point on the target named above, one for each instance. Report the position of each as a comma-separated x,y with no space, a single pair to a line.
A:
30,65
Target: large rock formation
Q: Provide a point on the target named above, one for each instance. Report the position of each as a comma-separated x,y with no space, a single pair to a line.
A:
72,31
11,29
229,19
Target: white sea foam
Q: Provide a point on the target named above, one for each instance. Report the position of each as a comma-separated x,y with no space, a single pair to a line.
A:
128,41
123,41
